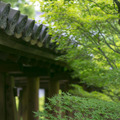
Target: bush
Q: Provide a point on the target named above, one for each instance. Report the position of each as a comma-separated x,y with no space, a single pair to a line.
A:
79,91
68,107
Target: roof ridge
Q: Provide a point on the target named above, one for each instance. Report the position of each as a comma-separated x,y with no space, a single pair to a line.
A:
19,25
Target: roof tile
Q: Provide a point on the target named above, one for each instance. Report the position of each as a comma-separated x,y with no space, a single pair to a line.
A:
36,33
28,30
4,11
19,25
42,36
13,18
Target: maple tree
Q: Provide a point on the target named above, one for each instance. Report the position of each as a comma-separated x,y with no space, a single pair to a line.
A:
89,32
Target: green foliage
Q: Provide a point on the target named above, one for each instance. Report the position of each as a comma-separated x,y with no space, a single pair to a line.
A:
23,5
109,93
10,1
41,103
79,91
26,8
68,107
113,93
89,33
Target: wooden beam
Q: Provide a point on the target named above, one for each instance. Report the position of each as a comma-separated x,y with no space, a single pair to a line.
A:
43,73
18,46
42,85
8,66
31,72
42,78
2,97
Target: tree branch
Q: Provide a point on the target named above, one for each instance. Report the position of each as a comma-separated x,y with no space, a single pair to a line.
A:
118,5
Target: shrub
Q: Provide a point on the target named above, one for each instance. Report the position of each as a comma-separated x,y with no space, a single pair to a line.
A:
68,107
79,91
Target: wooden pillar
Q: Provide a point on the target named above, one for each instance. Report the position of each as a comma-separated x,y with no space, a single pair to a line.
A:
65,87
23,104
33,97
20,105
46,95
14,100
53,86
2,97
54,90
10,100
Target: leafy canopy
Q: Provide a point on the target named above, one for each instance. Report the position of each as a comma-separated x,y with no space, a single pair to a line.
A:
88,30
24,6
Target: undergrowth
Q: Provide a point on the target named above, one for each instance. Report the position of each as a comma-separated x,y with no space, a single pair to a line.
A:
68,107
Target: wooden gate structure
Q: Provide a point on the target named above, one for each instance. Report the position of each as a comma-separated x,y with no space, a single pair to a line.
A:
27,61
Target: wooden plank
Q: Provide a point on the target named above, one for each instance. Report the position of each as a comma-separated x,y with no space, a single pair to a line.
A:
13,45
2,97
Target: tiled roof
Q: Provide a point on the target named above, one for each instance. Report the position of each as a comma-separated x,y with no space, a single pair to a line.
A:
19,25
